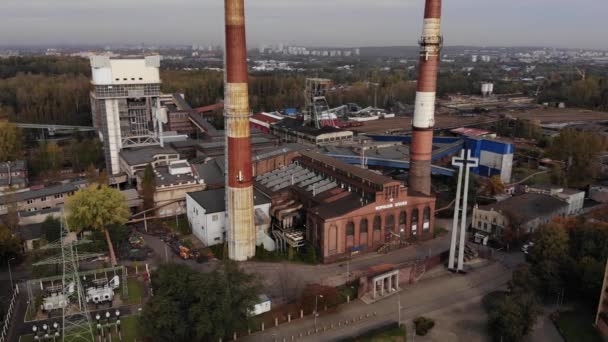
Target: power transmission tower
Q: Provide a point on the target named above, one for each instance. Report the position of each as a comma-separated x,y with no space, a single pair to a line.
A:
76,319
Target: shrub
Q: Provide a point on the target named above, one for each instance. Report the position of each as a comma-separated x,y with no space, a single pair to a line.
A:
423,325
491,301
327,297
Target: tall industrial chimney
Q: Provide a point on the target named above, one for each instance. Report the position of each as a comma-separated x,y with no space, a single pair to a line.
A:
424,113
239,185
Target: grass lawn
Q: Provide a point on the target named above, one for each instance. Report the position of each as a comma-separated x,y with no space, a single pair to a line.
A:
390,333
135,291
577,325
130,331
182,221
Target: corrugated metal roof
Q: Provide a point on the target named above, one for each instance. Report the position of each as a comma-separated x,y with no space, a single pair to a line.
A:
47,191
351,169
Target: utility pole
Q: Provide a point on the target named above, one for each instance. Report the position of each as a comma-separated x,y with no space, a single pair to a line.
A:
316,309
145,223
347,270
10,274
398,309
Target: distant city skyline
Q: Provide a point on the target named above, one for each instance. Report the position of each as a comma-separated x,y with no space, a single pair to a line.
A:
336,23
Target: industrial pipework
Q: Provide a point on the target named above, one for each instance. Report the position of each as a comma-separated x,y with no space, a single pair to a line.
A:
239,183
424,112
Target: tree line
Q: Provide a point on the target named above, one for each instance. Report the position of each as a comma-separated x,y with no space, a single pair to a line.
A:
40,98
56,89
47,158
194,306
590,92
566,262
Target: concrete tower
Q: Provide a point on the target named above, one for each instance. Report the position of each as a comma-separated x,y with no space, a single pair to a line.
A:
424,113
239,184
123,101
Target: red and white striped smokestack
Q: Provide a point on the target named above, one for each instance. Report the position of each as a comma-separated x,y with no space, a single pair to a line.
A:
239,185
424,113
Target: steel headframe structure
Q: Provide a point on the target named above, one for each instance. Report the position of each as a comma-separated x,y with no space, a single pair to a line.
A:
315,101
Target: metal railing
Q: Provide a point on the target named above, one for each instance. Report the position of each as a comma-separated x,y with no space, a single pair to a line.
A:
9,313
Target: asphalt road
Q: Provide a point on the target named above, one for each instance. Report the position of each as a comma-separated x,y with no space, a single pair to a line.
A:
284,281
421,298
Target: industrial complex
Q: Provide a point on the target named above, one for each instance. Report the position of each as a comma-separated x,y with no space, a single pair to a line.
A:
246,190
327,185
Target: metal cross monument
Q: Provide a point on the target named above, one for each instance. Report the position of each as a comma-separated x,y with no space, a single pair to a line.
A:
467,163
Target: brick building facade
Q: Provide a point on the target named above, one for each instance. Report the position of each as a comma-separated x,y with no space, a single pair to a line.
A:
346,209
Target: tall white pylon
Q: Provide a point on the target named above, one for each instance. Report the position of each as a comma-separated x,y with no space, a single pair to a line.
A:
464,162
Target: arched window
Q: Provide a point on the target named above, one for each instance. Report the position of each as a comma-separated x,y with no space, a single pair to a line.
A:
426,217
377,223
333,238
414,216
363,226
390,221
402,217
350,228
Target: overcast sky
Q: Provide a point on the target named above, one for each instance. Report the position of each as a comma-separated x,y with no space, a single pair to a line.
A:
349,23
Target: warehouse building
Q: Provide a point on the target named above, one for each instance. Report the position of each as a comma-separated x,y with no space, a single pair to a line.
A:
517,216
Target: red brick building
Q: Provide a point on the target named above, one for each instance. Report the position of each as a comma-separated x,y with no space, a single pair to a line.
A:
344,209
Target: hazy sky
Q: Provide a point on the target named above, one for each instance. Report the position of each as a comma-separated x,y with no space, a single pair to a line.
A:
560,23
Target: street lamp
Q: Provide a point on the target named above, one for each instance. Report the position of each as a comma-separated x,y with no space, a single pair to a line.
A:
10,274
316,308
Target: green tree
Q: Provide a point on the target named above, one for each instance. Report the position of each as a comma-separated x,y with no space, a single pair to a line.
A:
588,251
97,207
580,151
10,142
548,256
10,246
192,306
523,280
492,186
514,317
48,158
84,152
51,227
12,211
148,187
